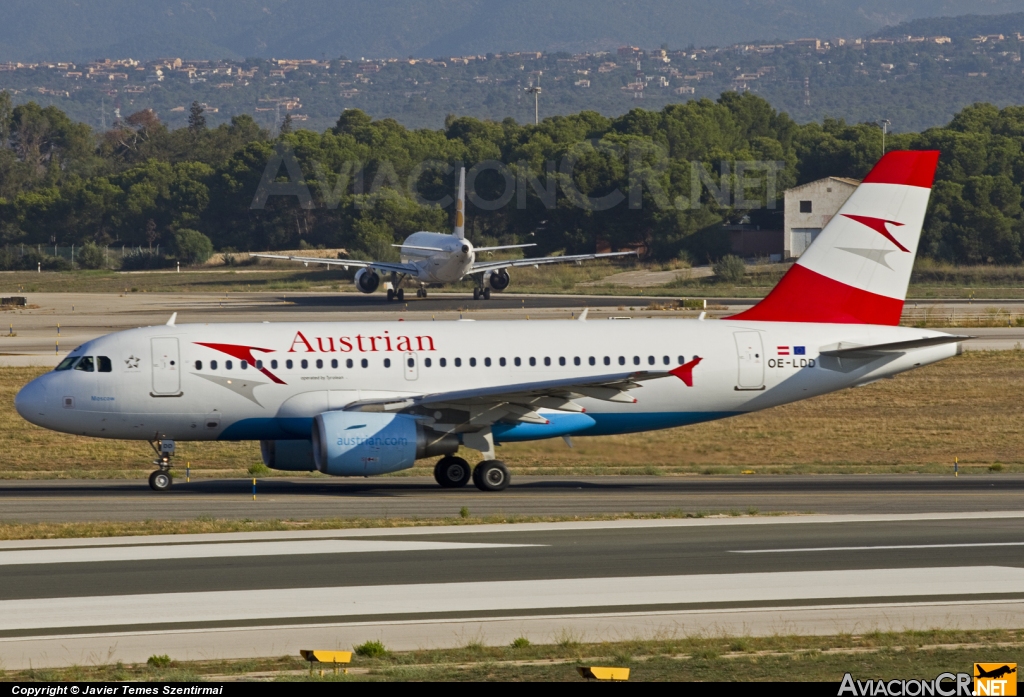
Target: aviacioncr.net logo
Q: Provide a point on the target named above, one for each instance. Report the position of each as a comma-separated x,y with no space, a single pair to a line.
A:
944,685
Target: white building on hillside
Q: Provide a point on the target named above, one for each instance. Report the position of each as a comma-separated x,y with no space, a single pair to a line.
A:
809,207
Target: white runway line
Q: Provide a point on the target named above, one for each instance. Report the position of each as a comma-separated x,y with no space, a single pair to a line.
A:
161,608
580,526
231,550
874,548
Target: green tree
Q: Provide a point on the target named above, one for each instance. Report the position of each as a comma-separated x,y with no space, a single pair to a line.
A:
192,246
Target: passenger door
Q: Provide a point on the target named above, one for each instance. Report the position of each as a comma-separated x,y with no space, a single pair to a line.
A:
750,354
412,366
166,367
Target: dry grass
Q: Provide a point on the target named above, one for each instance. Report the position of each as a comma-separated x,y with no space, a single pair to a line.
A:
876,655
966,407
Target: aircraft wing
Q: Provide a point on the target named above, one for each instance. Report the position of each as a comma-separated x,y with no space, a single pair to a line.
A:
480,407
508,263
383,266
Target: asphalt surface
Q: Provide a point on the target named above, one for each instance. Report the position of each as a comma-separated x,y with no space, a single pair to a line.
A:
383,497
99,600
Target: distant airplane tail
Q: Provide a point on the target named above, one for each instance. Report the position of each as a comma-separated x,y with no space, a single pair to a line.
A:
858,268
460,207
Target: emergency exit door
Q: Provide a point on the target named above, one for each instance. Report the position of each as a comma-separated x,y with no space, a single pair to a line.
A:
750,355
166,367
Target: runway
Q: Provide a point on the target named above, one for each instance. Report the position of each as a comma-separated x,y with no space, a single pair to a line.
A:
304,498
68,602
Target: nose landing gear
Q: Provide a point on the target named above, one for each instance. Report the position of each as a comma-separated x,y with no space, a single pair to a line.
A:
161,479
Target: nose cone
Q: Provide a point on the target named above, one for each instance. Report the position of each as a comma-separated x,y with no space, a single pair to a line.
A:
31,401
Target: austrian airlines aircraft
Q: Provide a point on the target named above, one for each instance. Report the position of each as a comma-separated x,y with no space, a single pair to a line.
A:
433,257
365,398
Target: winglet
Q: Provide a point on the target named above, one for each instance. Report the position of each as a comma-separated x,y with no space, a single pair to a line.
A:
460,207
685,371
170,322
583,315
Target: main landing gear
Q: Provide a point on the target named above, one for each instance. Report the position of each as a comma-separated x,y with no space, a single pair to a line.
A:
161,479
398,295
484,293
489,475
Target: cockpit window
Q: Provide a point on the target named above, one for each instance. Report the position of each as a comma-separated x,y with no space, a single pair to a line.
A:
86,364
67,363
105,364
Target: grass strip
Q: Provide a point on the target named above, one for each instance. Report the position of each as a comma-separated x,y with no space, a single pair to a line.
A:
874,655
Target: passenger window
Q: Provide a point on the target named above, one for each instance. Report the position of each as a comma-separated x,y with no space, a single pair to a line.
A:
244,365
682,359
487,362
650,360
576,360
607,360
501,362
228,365
273,364
622,360
213,365
289,364
666,360
365,363
561,360
387,362
199,365
334,362
304,364
348,363
547,360
105,365
259,365
319,363
411,363
66,363
426,362
86,364
636,360
442,362
518,362
593,361
472,362
533,361
458,362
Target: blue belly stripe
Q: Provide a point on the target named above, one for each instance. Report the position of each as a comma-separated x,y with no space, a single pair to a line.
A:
561,425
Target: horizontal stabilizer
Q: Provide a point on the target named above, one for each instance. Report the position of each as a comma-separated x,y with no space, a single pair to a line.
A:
874,350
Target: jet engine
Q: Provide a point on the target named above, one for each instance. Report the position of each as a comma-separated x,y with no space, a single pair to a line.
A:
367,280
498,279
288,455
353,443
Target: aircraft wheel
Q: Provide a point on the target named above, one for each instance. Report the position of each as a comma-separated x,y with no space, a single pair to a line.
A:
491,475
487,293
476,294
451,472
160,481
400,294
391,294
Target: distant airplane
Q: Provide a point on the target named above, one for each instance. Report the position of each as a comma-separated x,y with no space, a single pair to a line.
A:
366,398
434,257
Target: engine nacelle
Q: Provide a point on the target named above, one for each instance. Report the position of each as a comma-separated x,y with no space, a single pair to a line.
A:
357,444
288,455
367,280
498,279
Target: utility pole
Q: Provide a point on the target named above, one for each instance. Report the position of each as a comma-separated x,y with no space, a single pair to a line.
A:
535,91
884,123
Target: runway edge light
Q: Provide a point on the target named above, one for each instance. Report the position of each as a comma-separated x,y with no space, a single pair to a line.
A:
603,673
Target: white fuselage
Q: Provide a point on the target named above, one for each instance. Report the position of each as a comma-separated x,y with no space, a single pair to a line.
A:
439,258
187,382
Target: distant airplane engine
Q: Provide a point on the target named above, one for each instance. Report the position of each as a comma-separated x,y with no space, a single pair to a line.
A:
353,443
288,455
498,280
367,280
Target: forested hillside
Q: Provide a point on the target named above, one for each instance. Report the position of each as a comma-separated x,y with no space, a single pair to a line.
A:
143,184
